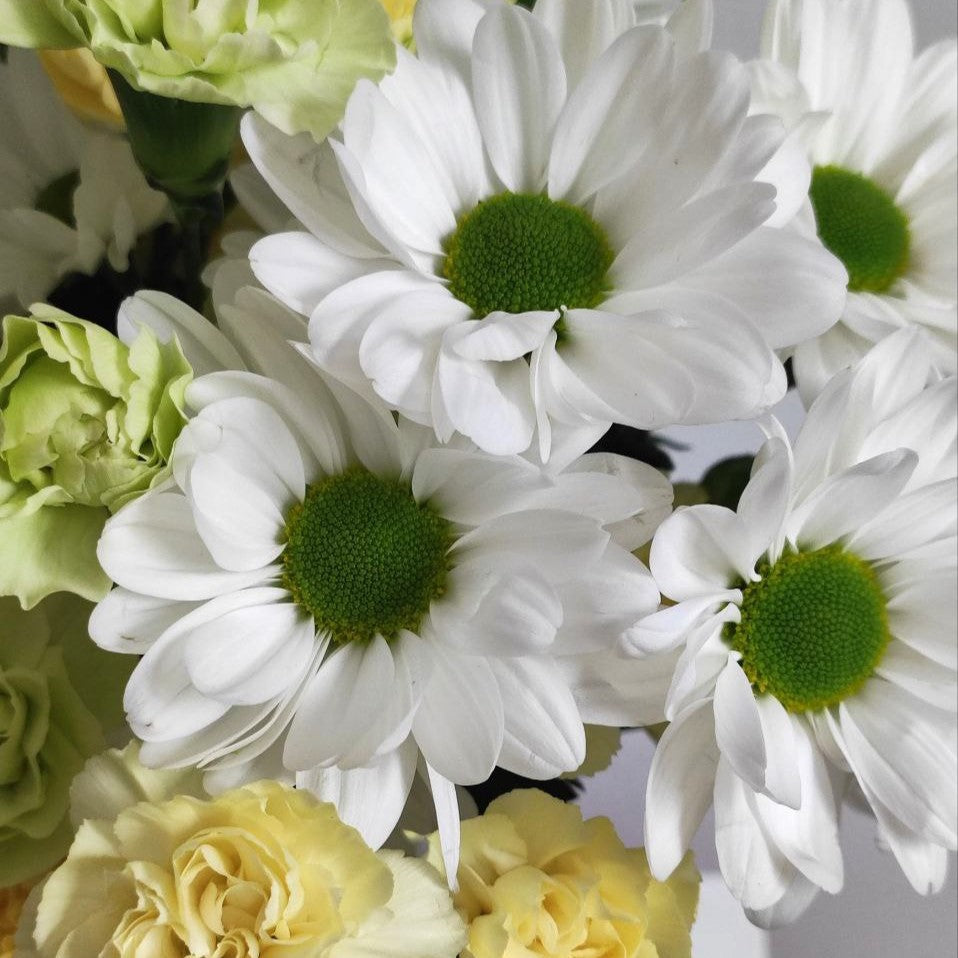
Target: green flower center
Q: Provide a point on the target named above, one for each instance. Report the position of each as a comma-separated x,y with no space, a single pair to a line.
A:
364,558
860,223
813,628
518,252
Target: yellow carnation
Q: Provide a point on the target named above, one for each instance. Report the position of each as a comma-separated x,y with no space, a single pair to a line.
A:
83,85
260,872
534,878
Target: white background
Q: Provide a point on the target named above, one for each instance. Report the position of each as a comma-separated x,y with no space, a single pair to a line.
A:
877,915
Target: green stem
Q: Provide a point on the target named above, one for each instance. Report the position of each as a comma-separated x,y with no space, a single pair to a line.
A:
184,150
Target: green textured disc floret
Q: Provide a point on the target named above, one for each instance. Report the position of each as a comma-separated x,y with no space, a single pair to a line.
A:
860,223
364,558
813,628
518,252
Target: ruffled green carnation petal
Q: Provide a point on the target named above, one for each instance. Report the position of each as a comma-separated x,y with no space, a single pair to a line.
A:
87,425
296,63
29,23
52,550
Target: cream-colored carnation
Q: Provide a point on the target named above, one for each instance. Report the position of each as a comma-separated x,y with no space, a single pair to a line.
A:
535,879
260,872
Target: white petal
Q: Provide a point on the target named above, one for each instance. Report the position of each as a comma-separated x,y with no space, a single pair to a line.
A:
620,359
700,551
400,348
252,654
447,817
692,236
679,787
444,30
128,622
238,521
790,287
206,349
669,627
915,673
910,521
903,753
764,501
303,411
472,487
519,88
407,210
369,798
489,402
738,727
505,336
518,614
603,603
807,835
305,176
338,323
583,30
544,736
459,725
795,901
433,101
152,547
613,689
559,544
755,871
344,700
624,91
300,270
846,501
924,863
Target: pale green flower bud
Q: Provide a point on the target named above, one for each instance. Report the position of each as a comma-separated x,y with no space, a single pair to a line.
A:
295,62
86,425
59,693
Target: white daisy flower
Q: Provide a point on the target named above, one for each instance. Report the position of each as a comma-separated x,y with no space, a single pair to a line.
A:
549,221
880,126
818,644
70,197
322,590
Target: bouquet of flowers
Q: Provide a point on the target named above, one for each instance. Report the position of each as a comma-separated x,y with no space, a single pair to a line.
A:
337,540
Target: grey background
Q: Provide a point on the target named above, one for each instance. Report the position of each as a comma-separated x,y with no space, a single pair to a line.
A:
877,915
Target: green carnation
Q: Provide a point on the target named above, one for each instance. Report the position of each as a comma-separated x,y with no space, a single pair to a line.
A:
295,62
58,694
86,425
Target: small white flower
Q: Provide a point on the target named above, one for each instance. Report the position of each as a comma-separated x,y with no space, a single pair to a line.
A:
879,124
324,591
70,197
547,222
818,644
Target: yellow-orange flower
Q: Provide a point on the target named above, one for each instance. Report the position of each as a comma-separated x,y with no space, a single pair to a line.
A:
400,18
11,904
83,85
534,878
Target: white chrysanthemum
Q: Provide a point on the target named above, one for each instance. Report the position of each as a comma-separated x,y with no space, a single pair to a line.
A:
70,197
321,589
880,126
818,636
546,221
